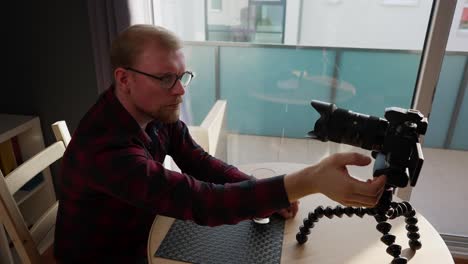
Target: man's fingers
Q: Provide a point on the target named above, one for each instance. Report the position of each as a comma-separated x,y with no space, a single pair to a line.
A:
285,213
373,188
361,200
352,158
294,208
367,193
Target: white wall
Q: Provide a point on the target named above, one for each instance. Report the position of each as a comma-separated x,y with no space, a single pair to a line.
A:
185,18
291,24
367,24
140,12
364,24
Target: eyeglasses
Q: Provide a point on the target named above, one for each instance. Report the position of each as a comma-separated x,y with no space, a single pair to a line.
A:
169,80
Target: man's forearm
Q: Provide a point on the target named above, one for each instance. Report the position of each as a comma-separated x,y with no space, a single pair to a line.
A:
300,183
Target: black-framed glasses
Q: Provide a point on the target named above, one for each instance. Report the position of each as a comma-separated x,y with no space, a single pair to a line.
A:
169,80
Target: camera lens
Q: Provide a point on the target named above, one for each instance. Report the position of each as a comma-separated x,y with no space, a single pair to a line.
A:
348,127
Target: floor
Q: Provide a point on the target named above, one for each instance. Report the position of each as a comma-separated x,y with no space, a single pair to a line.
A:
461,261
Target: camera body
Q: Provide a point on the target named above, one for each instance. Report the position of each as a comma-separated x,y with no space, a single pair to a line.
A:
394,141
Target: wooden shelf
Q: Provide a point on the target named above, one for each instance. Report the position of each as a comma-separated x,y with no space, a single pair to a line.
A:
13,125
21,195
32,203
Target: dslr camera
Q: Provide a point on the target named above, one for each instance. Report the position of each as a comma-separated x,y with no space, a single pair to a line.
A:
394,141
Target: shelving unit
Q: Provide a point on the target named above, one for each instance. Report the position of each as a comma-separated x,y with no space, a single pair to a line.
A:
32,203
21,196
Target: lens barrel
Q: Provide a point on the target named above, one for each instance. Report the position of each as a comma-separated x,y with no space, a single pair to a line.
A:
348,127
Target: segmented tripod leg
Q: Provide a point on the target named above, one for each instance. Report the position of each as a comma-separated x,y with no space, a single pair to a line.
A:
381,213
388,239
319,212
411,227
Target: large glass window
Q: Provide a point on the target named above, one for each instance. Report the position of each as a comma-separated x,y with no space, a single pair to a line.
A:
447,123
246,21
360,62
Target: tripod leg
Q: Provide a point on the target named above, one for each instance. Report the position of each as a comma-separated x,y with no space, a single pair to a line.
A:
412,228
393,249
382,212
319,212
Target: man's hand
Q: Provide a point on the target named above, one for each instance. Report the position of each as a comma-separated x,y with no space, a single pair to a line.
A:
291,211
330,177
335,182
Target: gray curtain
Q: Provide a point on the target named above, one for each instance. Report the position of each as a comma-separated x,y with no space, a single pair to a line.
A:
107,18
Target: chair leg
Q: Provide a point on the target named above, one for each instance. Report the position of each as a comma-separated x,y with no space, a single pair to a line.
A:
48,256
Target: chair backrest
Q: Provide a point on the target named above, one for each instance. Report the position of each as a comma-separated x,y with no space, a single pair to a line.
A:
61,132
211,134
29,243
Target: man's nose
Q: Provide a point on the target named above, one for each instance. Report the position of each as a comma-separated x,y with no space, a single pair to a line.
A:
178,88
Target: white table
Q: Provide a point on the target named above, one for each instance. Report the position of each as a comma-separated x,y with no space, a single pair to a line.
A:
338,240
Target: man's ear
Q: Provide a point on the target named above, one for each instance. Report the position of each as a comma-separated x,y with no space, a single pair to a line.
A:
121,77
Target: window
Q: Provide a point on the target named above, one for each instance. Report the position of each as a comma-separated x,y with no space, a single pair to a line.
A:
364,62
247,21
464,18
216,5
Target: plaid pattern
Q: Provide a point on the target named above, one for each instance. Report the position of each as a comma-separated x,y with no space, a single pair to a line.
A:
112,184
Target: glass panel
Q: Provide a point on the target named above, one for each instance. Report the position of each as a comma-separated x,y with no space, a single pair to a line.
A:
231,23
200,96
268,23
449,114
216,4
371,80
269,19
273,101
443,105
460,140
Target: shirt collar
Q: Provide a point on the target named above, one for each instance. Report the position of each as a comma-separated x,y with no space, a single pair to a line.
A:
125,122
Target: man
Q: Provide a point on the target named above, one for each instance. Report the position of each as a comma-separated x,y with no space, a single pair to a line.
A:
113,183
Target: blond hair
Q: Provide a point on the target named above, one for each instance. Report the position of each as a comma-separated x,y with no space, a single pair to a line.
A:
130,43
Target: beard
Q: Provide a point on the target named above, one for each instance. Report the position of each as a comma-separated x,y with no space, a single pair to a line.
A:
168,115
165,114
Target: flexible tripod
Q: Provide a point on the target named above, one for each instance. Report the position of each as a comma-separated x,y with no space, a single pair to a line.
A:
384,210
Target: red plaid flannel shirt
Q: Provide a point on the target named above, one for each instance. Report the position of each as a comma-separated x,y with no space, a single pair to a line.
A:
112,184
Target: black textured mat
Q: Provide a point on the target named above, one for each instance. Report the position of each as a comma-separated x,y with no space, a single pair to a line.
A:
246,242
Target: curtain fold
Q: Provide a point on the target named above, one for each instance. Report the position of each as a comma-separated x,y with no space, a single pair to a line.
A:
107,18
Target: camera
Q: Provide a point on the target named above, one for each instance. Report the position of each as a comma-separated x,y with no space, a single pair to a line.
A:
393,140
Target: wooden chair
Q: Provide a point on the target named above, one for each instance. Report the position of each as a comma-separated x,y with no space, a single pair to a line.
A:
34,245
61,132
210,134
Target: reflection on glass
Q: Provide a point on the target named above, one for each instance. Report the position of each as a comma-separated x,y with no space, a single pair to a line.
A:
464,19
247,21
450,105
216,5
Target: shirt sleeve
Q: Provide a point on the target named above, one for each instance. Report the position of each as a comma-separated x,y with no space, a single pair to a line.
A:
127,172
193,160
